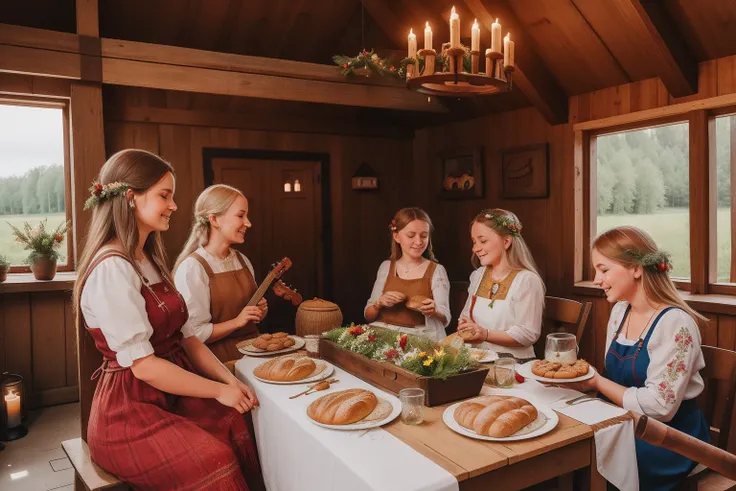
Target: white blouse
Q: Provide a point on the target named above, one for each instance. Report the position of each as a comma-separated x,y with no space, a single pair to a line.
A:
676,359
194,285
522,320
440,294
112,301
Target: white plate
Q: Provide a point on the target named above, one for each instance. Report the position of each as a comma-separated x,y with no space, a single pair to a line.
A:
395,403
525,371
489,356
328,370
545,411
298,344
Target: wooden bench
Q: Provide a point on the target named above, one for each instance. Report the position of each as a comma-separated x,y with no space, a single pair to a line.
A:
88,476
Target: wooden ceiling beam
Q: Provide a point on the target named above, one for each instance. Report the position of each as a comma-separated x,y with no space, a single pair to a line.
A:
644,39
88,19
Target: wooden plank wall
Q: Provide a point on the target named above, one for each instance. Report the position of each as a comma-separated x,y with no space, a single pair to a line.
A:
359,219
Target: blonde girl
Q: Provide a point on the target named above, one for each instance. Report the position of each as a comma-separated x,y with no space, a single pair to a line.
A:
506,293
215,280
411,277
166,413
653,356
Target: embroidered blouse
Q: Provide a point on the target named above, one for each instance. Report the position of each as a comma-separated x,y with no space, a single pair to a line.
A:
194,285
523,319
440,294
111,301
676,359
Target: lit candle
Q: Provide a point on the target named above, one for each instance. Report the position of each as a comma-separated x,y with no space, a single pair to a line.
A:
287,187
12,403
508,51
454,29
412,44
297,186
427,37
496,37
475,37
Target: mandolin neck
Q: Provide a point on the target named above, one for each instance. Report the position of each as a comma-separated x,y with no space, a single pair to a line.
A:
262,289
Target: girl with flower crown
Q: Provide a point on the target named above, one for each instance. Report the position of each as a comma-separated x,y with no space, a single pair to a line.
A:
215,280
506,294
166,414
411,276
653,356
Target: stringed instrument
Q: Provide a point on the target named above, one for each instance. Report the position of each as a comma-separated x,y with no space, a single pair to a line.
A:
276,272
288,293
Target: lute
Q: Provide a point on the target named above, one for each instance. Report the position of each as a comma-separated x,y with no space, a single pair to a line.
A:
276,272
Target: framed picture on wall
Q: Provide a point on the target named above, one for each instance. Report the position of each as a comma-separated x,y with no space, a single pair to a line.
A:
525,172
461,173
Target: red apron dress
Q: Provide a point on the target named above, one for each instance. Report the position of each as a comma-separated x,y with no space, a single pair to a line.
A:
153,440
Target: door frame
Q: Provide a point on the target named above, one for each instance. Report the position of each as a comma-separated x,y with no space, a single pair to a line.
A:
324,281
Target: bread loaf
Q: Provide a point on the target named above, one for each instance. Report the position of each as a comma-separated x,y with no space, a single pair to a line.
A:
496,416
285,369
415,302
343,407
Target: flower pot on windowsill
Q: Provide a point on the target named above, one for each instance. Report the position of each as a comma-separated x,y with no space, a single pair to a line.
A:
3,274
44,268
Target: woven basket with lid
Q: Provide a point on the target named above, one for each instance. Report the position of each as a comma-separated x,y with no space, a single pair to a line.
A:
317,316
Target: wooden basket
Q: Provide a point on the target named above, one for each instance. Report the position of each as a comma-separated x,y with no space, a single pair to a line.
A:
393,378
317,316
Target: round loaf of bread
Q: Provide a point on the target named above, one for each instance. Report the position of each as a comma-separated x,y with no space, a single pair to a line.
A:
496,416
285,369
415,302
343,407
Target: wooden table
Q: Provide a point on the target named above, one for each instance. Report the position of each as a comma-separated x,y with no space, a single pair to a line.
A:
478,464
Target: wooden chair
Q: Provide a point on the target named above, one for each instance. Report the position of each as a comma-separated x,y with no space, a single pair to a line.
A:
562,314
458,297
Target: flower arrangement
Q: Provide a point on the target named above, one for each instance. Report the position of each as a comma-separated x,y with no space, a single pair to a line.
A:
41,243
416,354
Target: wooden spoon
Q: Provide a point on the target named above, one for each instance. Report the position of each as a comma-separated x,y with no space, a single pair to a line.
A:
320,386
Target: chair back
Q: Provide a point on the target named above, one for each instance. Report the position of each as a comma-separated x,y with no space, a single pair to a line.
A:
562,315
718,399
458,297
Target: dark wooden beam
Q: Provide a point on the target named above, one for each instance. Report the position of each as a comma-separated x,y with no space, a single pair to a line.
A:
643,38
88,23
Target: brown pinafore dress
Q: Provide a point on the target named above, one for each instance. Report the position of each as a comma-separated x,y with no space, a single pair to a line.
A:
399,315
230,292
154,440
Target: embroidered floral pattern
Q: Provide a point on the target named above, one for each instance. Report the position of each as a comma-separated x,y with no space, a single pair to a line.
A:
677,367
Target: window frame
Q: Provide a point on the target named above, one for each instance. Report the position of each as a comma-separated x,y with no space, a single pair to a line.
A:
63,104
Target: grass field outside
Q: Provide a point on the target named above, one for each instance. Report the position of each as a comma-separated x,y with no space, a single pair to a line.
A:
670,228
13,250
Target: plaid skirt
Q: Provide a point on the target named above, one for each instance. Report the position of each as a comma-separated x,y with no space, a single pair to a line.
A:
155,441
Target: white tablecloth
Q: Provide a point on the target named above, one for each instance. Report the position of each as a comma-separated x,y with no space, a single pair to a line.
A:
296,454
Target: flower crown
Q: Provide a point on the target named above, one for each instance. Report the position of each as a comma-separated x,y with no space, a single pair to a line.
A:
657,260
508,223
100,192
392,226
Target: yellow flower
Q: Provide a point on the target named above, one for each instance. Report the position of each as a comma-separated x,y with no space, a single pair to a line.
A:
440,352
428,361
422,354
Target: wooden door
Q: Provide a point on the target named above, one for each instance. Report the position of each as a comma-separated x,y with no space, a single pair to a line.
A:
284,224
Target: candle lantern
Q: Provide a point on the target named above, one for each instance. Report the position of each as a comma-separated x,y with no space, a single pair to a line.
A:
13,409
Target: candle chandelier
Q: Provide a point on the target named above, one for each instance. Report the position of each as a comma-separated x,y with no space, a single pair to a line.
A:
455,71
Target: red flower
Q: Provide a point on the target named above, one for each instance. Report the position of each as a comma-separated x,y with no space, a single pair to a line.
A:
669,365
356,331
371,338
393,68
663,385
678,338
58,237
344,65
662,266
392,354
402,342
681,366
98,189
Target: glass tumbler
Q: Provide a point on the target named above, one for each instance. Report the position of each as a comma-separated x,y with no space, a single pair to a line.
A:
311,343
412,406
505,368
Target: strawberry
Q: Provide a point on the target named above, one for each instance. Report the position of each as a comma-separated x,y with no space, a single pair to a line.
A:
519,378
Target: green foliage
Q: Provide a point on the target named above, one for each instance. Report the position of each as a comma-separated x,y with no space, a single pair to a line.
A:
4,263
38,191
39,241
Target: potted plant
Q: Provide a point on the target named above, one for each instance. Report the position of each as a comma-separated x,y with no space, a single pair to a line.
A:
43,246
4,266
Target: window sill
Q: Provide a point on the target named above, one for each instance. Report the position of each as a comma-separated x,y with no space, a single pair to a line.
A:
25,283
710,303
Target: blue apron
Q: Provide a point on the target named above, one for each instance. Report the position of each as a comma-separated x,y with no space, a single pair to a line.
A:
659,469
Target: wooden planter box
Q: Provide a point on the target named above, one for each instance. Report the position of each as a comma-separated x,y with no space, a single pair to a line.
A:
393,378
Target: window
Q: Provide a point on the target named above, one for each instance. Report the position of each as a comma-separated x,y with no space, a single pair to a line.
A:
725,148
641,178
34,173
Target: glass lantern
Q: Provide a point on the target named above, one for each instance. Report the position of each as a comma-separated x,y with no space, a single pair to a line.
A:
13,411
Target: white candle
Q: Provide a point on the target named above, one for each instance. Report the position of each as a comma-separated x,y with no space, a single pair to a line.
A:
454,29
475,37
496,37
508,51
297,186
287,187
412,44
12,403
427,37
